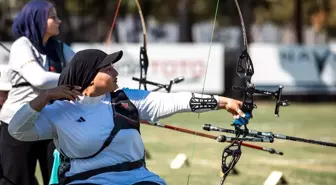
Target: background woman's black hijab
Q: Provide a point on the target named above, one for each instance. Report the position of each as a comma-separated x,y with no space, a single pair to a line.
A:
85,65
31,22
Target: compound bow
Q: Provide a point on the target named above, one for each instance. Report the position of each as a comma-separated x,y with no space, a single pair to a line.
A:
245,71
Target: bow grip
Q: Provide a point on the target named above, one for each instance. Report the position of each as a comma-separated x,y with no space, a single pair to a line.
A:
242,121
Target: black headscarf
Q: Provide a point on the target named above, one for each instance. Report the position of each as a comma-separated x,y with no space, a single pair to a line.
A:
85,65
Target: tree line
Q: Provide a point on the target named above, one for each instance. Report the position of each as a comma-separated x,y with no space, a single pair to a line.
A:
90,20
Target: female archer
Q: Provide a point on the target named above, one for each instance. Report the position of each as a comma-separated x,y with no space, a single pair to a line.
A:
96,125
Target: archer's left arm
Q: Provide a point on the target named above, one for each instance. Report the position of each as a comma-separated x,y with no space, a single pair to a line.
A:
153,106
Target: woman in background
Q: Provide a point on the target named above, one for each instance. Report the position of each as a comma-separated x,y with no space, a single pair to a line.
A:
36,59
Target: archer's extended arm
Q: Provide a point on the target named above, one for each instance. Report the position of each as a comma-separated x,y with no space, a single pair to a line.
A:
153,106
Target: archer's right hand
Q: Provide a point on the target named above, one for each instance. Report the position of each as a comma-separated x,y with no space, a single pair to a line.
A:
63,92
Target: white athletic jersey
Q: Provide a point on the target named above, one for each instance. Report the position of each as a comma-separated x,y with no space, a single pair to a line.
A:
82,137
26,64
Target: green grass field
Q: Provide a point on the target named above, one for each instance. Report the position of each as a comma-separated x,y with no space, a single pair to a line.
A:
301,164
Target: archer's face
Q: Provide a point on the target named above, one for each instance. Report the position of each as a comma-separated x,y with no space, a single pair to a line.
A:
107,79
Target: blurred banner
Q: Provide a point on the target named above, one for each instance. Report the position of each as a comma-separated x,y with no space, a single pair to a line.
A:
168,61
301,69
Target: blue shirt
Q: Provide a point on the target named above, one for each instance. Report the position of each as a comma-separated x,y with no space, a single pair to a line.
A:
81,139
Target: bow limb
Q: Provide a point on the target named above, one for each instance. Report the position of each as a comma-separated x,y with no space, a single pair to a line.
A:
242,24
144,63
142,23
